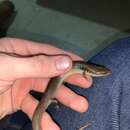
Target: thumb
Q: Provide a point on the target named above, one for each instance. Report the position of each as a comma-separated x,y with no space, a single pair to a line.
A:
36,66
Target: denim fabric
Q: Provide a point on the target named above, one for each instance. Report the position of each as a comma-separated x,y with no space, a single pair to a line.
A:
108,97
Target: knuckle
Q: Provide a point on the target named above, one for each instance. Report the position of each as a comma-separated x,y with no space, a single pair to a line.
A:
40,63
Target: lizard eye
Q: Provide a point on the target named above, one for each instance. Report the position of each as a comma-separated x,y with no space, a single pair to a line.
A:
85,74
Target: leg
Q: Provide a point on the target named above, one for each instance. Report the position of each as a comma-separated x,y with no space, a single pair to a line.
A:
109,105
109,97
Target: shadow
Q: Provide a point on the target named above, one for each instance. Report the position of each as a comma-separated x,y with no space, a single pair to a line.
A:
7,15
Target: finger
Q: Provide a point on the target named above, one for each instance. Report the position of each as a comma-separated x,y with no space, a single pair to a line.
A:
68,98
63,94
22,87
78,80
47,122
29,47
36,66
71,99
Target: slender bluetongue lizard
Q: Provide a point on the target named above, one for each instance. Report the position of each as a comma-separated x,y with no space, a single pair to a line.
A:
79,67
82,68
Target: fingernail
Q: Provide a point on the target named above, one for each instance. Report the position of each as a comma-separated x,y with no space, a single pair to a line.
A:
63,63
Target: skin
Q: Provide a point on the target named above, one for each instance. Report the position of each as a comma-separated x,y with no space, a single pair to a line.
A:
15,84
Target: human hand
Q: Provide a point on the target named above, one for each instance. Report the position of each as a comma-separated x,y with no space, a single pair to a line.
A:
20,75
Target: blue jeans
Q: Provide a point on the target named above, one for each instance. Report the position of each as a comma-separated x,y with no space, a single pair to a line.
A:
108,97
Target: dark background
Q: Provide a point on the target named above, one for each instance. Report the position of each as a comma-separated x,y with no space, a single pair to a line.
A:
113,13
